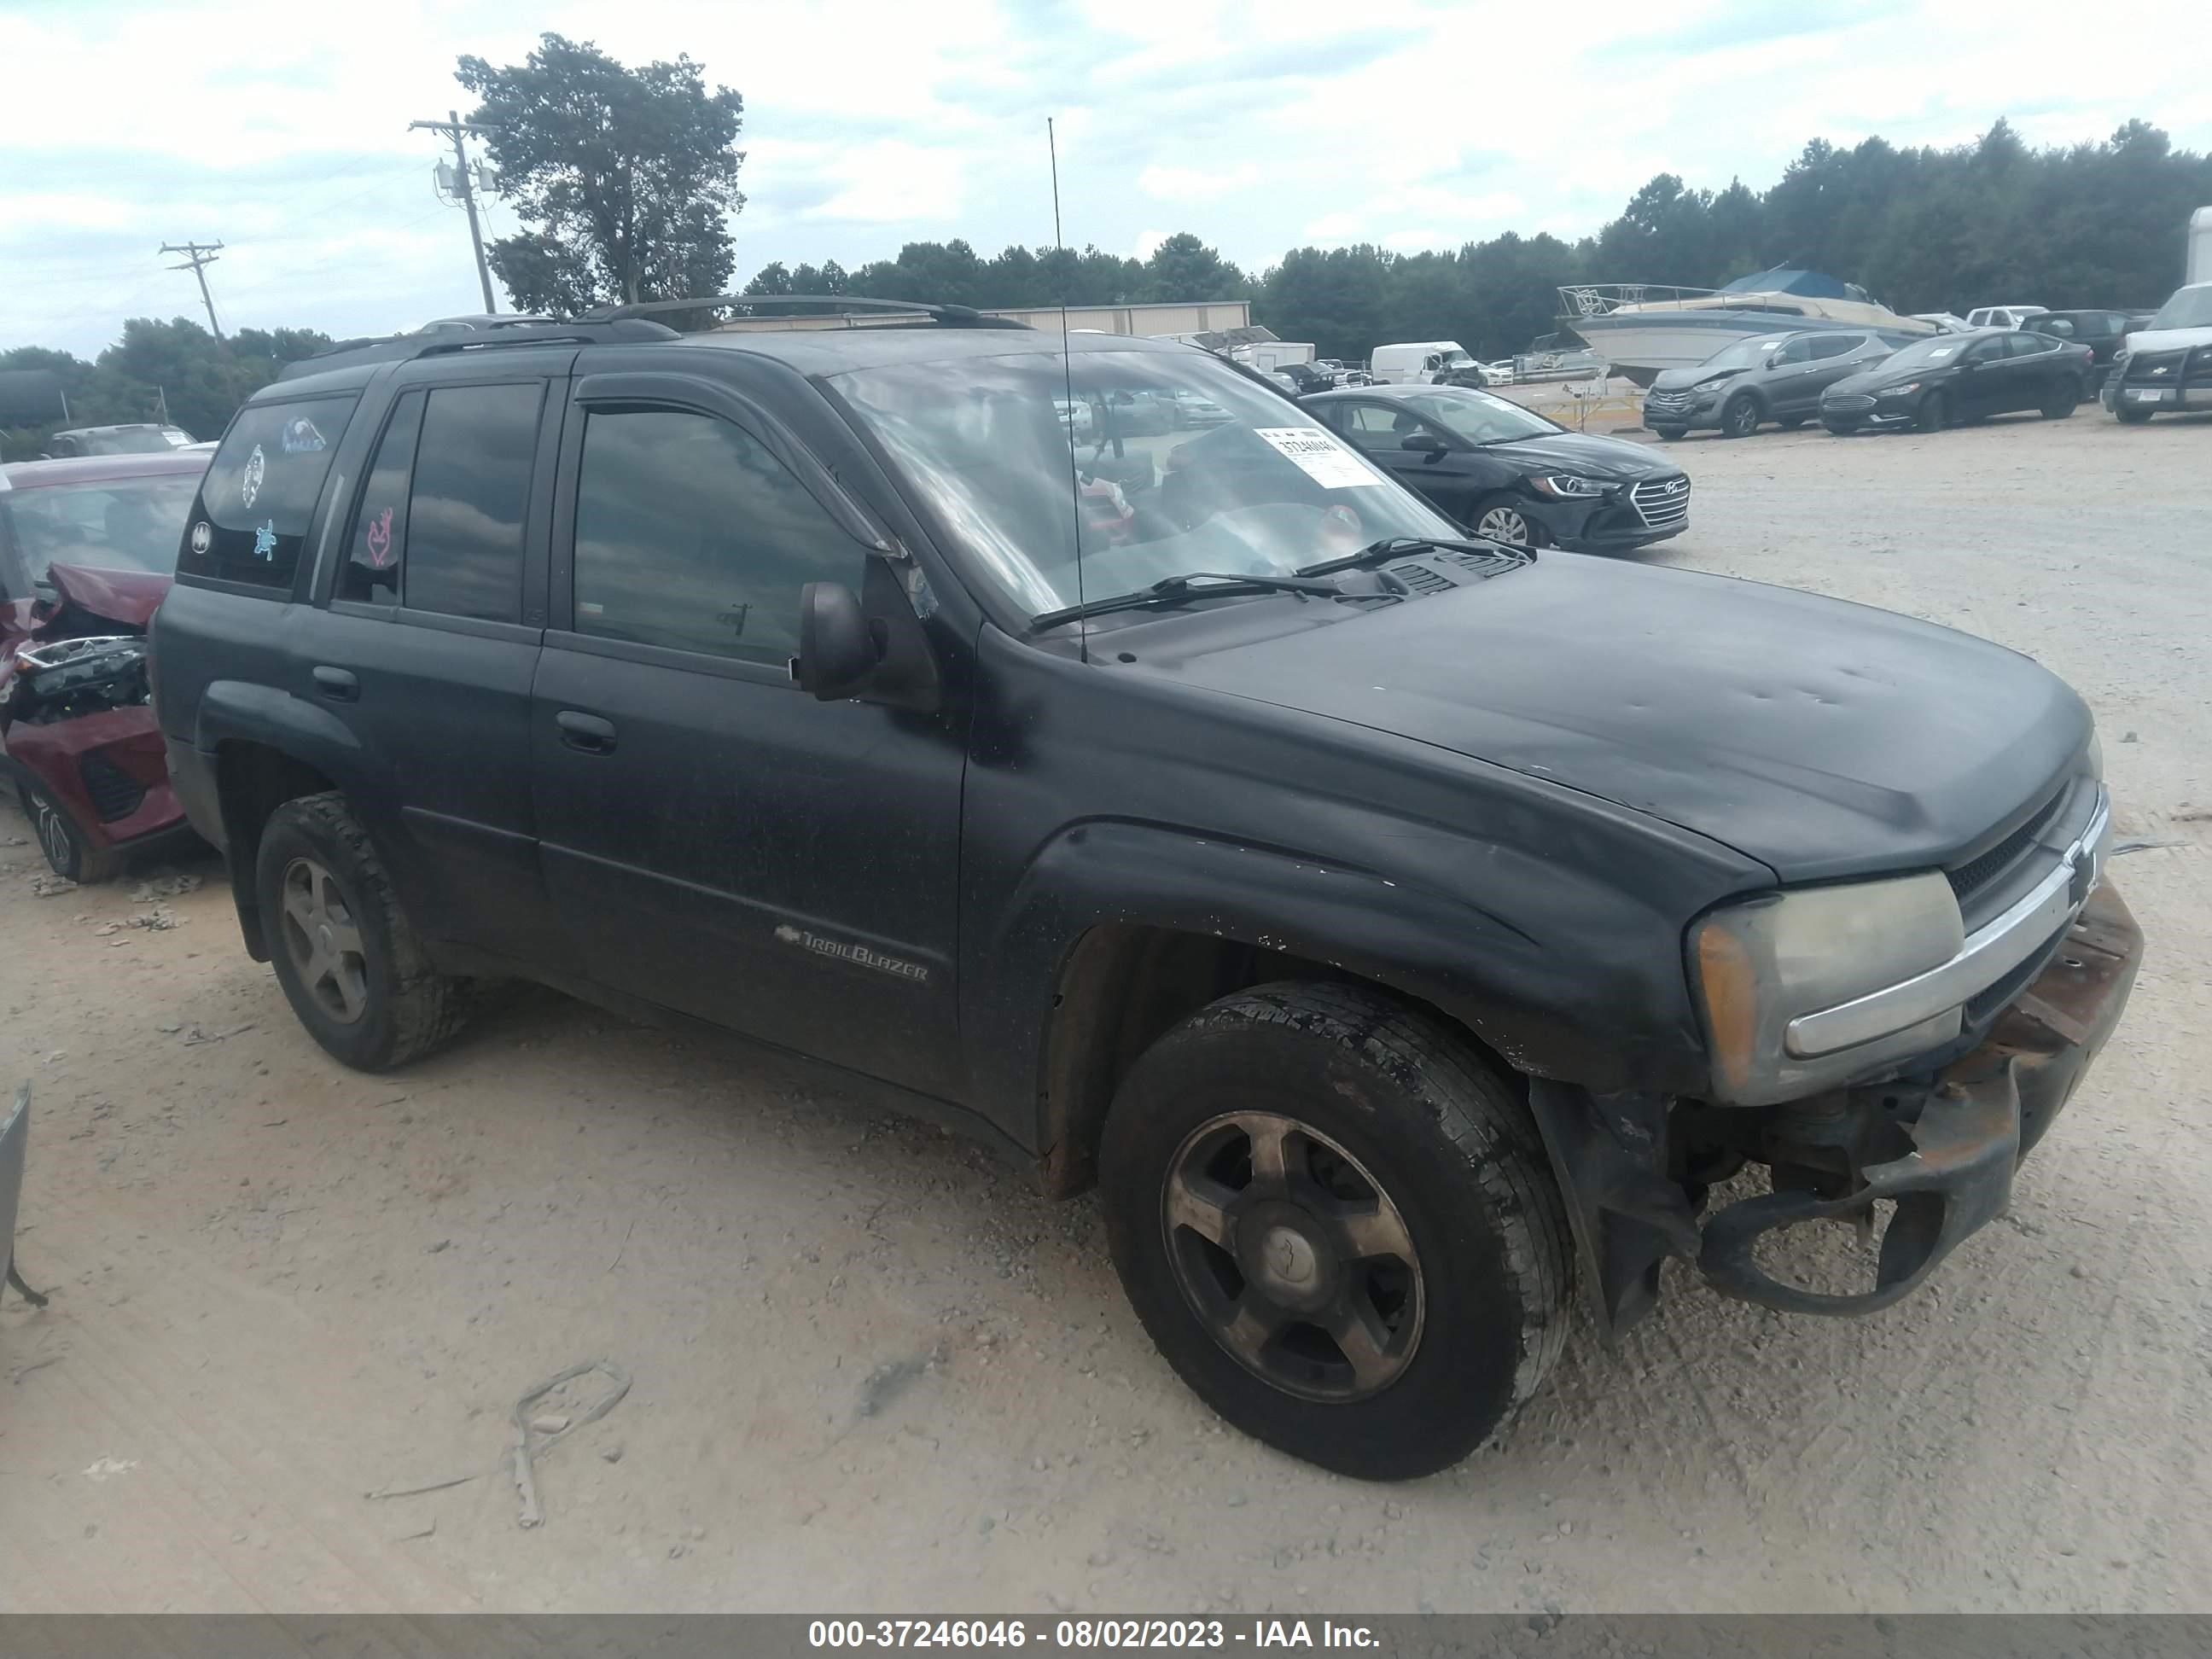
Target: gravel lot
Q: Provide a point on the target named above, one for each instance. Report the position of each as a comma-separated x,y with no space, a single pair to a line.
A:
872,1370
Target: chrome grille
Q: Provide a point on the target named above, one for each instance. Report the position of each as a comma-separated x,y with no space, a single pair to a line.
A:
1853,401
1667,403
1975,874
1661,503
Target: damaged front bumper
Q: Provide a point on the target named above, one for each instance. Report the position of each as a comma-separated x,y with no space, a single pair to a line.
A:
1942,1150
1983,1114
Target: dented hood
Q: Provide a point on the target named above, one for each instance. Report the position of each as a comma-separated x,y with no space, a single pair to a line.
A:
126,597
1822,738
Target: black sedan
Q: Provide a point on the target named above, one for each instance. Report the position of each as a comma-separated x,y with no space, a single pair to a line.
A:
1956,378
1507,473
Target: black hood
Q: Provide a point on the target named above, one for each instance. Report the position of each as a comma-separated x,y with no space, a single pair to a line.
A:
1611,459
1682,379
1822,738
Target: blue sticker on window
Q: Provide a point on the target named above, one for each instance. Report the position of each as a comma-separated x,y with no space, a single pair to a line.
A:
264,539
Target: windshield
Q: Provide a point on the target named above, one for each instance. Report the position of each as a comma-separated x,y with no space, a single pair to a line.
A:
2190,308
133,440
1216,475
1746,354
1927,354
123,524
1475,416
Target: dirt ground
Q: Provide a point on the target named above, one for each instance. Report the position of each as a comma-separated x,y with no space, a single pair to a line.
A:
872,1370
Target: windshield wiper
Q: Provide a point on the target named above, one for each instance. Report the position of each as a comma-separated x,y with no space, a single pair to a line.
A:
1198,584
1391,547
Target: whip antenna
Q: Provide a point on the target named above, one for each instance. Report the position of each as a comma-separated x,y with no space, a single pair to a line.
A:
1067,373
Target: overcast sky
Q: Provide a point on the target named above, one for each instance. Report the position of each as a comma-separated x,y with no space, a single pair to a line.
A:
281,128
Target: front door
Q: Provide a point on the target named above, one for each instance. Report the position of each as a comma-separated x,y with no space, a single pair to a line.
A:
1379,432
717,841
1832,361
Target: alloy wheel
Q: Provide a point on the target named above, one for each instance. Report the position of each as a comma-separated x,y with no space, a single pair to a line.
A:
1293,1256
1505,524
324,941
54,834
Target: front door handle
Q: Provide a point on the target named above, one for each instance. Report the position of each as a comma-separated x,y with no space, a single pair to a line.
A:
587,733
338,684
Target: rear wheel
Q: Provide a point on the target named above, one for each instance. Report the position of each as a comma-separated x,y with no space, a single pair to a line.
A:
351,965
2064,401
1336,1221
1935,412
1499,519
1740,417
70,852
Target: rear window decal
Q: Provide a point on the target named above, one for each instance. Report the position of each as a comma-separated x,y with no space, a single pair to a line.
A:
249,481
379,539
1319,456
300,438
265,538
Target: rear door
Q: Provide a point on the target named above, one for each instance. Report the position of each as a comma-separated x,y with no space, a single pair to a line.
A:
434,606
717,841
1832,360
2033,362
1379,431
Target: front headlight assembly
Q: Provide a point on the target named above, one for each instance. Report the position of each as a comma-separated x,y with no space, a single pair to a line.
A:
1759,965
1567,486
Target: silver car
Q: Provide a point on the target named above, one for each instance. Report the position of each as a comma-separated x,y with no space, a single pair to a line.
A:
1766,377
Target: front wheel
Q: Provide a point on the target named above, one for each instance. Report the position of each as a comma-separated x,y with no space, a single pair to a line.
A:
2131,414
1499,519
2063,402
1741,417
1935,412
351,965
1337,1224
70,852
1672,434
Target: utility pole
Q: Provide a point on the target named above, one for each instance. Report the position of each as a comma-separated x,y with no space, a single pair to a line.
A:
197,258
453,126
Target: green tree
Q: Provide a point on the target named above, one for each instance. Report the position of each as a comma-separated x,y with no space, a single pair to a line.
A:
629,177
1183,268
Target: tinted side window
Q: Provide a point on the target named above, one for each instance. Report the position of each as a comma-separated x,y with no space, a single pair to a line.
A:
464,514
2027,343
1836,345
1377,426
260,492
378,545
1797,351
690,535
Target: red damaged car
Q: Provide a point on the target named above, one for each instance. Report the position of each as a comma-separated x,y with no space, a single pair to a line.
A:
87,547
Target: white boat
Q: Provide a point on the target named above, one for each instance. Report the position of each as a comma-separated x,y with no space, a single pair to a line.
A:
1642,329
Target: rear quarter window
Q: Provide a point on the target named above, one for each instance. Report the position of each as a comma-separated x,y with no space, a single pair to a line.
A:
254,504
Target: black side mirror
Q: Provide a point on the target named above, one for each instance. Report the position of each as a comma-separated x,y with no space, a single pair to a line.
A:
837,650
1424,443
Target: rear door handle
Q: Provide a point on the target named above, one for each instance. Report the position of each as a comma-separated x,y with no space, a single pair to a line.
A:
338,684
585,732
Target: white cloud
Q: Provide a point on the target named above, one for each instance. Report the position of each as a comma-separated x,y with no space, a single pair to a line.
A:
1180,184
1147,241
282,130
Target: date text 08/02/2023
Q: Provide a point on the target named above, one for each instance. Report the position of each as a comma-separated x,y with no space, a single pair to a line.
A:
1086,1633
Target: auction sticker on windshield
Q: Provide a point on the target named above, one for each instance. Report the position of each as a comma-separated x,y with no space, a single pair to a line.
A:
1319,456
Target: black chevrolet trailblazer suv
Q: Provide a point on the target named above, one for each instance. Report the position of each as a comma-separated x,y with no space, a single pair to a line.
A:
1395,928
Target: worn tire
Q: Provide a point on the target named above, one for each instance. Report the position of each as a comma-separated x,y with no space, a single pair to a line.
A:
69,853
410,1008
1740,416
1443,1134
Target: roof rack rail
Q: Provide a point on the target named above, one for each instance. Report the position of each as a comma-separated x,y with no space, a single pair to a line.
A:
500,336
840,305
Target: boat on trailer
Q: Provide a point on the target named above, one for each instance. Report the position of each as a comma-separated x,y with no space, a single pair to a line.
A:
1642,329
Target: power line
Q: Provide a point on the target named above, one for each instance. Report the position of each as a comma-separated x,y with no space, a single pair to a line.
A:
453,127
197,258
